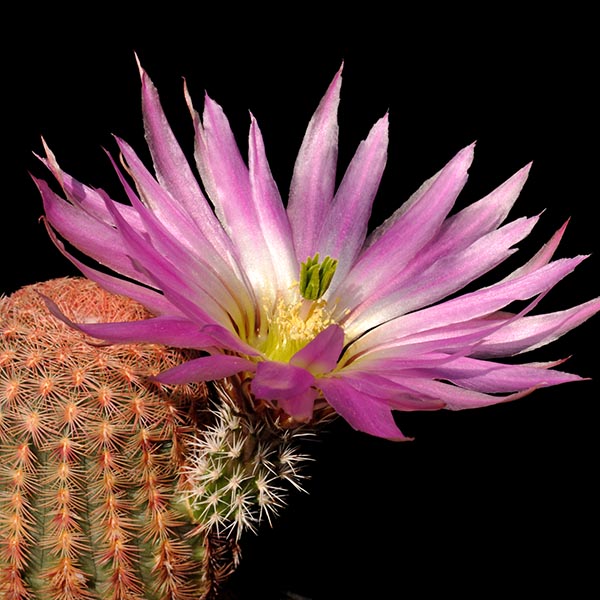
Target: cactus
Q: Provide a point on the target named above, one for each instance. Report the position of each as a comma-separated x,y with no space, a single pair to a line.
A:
113,486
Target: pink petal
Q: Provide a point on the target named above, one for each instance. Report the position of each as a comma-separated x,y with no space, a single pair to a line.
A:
322,353
541,258
280,381
174,173
155,302
206,368
175,331
171,331
94,238
424,286
271,216
362,411
390,392
299,407
457,398
481,217
468,306
170,163
89,200
395,243
345,227
248,218
313,180
532,332
223,338
490,377
186,249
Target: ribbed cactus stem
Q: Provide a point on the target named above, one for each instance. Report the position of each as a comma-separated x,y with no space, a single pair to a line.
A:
112,486
92,454
238,470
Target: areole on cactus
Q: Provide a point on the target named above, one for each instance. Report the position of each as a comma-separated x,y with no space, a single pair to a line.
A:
112,485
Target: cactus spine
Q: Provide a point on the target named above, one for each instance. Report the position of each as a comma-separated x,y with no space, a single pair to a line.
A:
113,487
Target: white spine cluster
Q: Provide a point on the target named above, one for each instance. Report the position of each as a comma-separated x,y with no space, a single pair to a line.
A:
240,471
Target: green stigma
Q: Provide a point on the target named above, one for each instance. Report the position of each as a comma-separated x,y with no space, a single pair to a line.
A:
315,278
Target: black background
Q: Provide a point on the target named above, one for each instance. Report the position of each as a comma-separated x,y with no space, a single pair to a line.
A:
501,499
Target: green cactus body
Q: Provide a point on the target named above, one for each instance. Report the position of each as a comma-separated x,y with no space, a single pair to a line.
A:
113,487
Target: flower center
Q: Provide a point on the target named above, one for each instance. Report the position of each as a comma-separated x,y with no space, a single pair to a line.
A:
291,326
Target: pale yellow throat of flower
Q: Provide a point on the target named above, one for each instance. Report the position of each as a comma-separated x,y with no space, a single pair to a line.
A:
292,325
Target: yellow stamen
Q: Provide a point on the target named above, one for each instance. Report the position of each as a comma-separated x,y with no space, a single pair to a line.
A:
293,326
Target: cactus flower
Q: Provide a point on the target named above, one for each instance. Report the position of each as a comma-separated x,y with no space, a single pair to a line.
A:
298,299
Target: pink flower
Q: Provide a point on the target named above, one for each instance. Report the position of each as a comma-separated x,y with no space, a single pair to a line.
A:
301,299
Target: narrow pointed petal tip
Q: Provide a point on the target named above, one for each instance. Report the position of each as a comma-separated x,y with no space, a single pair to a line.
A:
313,180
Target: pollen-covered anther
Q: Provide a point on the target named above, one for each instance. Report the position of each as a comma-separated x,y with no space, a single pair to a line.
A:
293,326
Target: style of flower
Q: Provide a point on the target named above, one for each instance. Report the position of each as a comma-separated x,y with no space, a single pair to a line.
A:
299,299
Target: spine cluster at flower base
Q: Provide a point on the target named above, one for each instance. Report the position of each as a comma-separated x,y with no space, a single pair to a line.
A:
112,486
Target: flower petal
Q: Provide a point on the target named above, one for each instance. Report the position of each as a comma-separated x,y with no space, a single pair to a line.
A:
155,302
299,407
535,331
322,353
313,181
170,331
271,216
172,168
166,275
345,227
422,285
392,393
89,200
277,381
542,257
248,218
468,306
93,237
456,398
206,368
363,412
481,217
395,243
490,377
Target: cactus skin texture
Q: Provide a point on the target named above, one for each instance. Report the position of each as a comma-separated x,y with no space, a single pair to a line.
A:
112,486
239,470
91,455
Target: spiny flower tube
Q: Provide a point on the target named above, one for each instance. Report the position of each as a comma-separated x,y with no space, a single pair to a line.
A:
299,300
